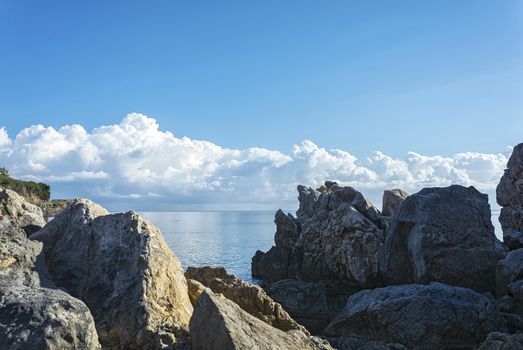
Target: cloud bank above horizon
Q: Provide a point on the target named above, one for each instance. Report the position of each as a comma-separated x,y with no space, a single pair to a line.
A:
135,165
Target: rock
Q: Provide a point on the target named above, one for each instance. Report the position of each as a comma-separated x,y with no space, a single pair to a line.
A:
220,324
33,315
509,270
445,235
312,304
361,343
434,316
249,297
121,267
502,341
392,200
509,195
195,289
15,210
54,207
336,236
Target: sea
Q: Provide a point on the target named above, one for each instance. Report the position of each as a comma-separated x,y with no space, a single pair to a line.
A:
229,239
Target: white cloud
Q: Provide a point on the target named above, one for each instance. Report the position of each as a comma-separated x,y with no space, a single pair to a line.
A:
136,161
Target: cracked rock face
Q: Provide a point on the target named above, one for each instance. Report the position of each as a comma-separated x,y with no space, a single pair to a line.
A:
444,235
16,211
337,235
121,267
33,313
249,297
220,324
509,195
434,316
392,200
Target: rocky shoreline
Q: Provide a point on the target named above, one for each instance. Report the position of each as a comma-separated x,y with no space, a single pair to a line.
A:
424,272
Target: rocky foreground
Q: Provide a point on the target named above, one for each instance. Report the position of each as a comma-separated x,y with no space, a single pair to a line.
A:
425,272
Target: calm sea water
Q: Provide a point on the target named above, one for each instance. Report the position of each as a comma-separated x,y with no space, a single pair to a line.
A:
227,239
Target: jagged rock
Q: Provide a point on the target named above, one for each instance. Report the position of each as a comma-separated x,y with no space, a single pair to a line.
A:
509,270
509,195
445,235
195,289
54,207
220,324
312,304
392,200
249,297
33,315
15,210
502,341
337,235
434,316
121,267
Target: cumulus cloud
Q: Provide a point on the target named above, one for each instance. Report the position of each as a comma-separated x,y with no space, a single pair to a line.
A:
135,163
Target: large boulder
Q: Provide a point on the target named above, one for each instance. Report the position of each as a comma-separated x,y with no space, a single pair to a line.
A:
312,304
509,195
33,313
121,267
392,200
502,341
249,297
434,316
509,270
445,235
15,210
336,235
220,324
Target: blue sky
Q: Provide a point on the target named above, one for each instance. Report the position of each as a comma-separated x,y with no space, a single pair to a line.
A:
205,105
436,77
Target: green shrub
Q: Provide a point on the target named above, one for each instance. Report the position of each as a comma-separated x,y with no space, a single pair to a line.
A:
25,188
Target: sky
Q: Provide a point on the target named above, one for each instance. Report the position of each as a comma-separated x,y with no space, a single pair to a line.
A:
204,104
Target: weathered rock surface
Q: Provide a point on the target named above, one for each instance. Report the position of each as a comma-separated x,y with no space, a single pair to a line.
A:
434,316
502,341
392,200
362,343
15,210
312,304
249,297
337,236
220,324
54,207
121,267
33,315
509,195
509,270
445,235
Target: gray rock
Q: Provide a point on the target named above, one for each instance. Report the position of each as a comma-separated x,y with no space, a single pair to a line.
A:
509,195
362,343
15,210
435,316
508,270
392,200
34,315
445,235
337,235
54,207
220,324
121,267
502,341
312,304
249,297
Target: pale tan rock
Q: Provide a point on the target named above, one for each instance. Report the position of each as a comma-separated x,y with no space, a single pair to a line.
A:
122,268
249,297
15,210
220,324
195,289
